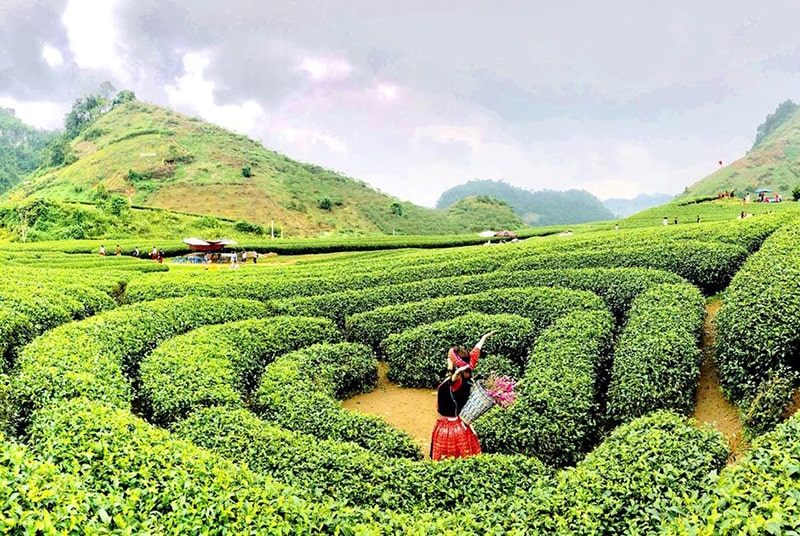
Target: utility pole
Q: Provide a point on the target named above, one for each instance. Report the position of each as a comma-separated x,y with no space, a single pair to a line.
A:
272,229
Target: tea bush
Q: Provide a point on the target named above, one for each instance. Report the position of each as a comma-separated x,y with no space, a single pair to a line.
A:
220,364
554,415
657,360
417,357
297,392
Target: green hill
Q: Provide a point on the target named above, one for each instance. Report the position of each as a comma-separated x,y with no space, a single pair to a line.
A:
156,158
20,148
773,163
545,207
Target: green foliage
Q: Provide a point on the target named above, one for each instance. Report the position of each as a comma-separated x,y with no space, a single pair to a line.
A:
417,357
220,365
769,405
22,149
782,113
346,472
757,495
657,360
247,172
757,323
796,193
554,416
297,392
247,227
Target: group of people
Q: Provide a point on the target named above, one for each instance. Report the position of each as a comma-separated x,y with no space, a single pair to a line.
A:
117,250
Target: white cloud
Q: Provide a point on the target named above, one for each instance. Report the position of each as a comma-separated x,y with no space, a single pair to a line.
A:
52,56
449,134
323,69
40,114
93,36
192,91
304,139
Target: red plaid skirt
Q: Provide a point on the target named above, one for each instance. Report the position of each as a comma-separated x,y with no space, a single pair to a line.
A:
452,438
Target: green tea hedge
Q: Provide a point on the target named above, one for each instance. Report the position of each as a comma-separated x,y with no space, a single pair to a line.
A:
541,305
555,415
298,392
417,357
220,364
657,359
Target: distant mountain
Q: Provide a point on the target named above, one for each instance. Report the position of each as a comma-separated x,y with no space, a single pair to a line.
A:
539,208
773,163
131,152
622,208
21,148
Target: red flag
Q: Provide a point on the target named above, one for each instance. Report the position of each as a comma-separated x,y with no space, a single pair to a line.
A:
720,162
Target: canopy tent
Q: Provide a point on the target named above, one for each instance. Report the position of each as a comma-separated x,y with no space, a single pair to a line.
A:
198,244
762,191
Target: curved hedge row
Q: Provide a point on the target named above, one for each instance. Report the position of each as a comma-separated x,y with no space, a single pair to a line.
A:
541,305
757,495
256,286
358,477
29,308
616,286
298,391
220,364
708,265
417,357
757,324
92,357
554,416
119,456
657,360
624,486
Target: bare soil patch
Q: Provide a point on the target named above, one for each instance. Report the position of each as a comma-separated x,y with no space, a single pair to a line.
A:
412,410
711,406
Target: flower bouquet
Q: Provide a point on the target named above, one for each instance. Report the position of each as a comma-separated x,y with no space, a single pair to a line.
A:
494,390
501,389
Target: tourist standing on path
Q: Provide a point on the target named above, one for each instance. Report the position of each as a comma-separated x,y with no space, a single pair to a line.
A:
451,436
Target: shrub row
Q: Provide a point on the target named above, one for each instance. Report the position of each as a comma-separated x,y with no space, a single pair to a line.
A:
554,416
657,360
541,305
28,309
156,484
757,495
358,477
256,286
757,324
298,392
417,357
710,266
616,286
92,357
220,364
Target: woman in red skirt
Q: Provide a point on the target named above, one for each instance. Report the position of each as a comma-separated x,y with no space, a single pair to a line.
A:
452,437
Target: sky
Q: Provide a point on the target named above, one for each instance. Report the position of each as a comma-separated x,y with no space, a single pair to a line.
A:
617,98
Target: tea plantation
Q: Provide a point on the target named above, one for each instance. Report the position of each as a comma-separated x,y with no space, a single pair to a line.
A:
146,398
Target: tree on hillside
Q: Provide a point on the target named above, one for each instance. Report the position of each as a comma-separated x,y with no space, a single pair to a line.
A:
89,107
784,111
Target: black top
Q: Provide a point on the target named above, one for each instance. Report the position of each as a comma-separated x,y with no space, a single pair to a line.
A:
451,402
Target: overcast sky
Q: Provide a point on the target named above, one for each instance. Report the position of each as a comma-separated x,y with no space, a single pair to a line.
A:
413,97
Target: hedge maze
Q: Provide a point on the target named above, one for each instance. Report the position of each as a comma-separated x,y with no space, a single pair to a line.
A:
187,401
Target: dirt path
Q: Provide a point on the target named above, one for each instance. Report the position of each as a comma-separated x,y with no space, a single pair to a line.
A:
711,406
414,410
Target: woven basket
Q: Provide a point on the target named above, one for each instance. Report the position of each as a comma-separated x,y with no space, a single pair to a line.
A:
478,403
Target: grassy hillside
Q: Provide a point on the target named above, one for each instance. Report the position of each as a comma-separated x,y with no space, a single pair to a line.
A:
154,157
773,164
